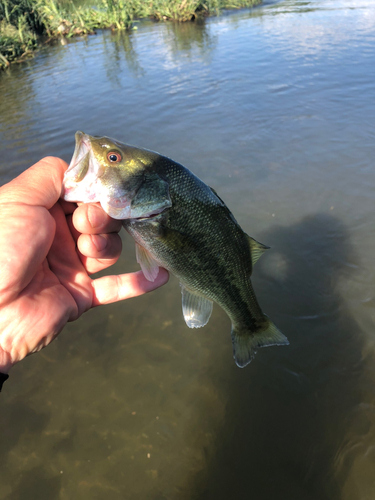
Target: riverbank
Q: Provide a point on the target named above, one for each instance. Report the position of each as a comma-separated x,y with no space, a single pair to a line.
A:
24,22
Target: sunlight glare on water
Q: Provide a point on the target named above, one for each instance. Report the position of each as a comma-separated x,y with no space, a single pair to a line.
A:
275,109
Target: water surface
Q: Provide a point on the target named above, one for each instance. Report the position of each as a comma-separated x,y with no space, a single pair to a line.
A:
275,109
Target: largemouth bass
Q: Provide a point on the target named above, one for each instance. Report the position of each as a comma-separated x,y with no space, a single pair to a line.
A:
181,224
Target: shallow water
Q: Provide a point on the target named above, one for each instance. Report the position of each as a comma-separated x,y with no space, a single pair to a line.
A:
275,109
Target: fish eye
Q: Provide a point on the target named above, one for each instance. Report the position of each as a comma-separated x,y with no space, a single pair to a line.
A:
114,157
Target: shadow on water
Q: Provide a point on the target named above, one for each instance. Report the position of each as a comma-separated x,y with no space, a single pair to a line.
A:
289,411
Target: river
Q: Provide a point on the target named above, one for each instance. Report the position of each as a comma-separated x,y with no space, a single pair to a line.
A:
274,108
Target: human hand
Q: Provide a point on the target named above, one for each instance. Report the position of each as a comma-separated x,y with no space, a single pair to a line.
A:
48,248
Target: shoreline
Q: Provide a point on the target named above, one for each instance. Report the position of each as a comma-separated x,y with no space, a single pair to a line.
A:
24,27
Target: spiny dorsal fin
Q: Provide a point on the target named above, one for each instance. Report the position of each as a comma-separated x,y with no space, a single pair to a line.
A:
217,196
256,249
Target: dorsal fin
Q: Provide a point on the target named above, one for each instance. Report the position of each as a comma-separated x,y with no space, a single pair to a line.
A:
256,249
217,196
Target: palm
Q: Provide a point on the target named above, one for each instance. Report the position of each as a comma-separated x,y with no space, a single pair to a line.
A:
49,294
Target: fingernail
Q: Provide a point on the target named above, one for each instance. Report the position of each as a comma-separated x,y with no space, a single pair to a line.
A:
99,241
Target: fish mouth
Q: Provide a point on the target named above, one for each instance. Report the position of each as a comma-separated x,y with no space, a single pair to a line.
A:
80,156
78,167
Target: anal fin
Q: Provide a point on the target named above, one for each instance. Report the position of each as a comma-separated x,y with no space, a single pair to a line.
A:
195,308
149,266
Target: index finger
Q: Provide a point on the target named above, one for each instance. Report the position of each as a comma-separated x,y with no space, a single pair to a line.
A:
108,289
39,185
90,218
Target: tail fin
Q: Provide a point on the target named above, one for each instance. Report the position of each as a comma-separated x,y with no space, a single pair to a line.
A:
246,344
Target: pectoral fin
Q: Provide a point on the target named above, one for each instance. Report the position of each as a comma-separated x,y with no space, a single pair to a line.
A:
152,197
256,249
196,309
149,266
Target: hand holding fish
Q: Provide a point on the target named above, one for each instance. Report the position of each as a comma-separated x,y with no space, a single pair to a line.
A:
48,248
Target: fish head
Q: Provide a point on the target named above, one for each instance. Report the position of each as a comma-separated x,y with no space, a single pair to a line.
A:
106,171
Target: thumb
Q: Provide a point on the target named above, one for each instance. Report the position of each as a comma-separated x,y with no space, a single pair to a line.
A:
39,185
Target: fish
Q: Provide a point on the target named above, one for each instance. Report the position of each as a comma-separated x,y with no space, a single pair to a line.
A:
180,223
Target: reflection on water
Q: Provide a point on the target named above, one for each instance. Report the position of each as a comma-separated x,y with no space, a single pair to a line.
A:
189,39
275,109
117,45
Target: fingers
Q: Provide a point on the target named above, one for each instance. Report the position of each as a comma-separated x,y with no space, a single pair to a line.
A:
95,233
110,289
99,251
90,218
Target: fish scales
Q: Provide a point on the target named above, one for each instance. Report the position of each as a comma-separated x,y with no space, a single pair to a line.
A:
181,224
178,240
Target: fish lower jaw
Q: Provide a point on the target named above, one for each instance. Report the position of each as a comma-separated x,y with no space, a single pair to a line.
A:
76,193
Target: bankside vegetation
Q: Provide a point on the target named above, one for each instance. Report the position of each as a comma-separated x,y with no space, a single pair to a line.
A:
24,23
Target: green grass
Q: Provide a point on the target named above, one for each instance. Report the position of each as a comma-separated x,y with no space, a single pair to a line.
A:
188,10
117,14
23,21
16,43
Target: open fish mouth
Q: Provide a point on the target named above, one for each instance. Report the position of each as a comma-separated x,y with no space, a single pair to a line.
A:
81,168
97,173
79,163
